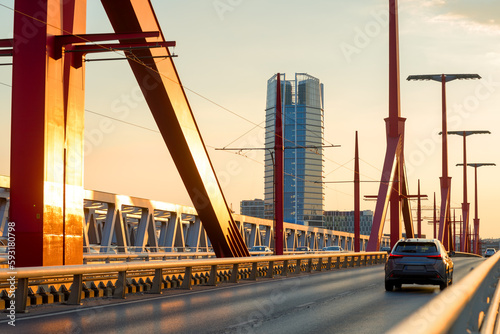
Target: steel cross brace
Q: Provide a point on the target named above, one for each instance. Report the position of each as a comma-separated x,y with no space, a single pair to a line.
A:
67,42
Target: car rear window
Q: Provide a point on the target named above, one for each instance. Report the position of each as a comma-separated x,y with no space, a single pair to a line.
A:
416,247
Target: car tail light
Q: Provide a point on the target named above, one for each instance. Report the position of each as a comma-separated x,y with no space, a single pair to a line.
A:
434,256
395,256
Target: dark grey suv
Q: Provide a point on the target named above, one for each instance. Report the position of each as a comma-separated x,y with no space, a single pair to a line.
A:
418,261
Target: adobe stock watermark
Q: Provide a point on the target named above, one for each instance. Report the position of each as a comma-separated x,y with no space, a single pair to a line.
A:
363,36
11,290
222,7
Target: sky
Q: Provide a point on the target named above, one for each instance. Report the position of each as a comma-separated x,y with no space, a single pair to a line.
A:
228,49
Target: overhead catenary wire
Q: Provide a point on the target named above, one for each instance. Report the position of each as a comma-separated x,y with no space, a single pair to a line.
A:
164,76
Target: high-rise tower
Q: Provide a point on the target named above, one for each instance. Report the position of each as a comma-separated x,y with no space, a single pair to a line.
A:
303,117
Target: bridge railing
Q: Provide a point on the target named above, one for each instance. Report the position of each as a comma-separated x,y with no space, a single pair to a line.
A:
77,275
469,306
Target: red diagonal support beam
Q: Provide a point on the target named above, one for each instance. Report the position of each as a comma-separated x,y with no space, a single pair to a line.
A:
167,101
384,193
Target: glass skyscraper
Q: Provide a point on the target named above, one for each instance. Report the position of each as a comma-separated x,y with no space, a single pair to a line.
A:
303,117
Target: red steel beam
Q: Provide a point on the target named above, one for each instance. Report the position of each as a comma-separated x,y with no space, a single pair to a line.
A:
356,197
435,216
384,193
46,137
63,40
419,214
465,203
121,46
6,43
445,180
168,103
393,169
74,110
406,206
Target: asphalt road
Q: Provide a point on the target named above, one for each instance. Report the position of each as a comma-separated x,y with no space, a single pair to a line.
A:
343,301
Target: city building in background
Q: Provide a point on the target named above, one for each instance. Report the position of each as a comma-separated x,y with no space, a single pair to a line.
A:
303,121
489,243
252,208
344,221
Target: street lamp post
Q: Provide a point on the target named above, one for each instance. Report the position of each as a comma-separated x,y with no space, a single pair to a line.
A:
445,180
476,219
464,242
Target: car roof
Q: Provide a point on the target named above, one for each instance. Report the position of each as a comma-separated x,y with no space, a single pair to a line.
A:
419,240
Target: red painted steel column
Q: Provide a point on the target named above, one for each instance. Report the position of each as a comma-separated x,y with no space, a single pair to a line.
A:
419,213
356,198
392,174
48,223
395,130
445,180
454,226
435,216
278,173
461,232
476,219
465,204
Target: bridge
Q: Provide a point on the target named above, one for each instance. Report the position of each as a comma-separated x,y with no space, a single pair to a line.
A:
79,260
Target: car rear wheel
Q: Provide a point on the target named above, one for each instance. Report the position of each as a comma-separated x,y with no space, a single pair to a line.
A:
444,285
388,286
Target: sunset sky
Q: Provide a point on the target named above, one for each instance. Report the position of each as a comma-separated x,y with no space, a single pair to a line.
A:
228,49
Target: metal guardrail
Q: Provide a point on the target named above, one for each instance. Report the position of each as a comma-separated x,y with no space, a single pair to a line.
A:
157,256
469,306
163,256
74,274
